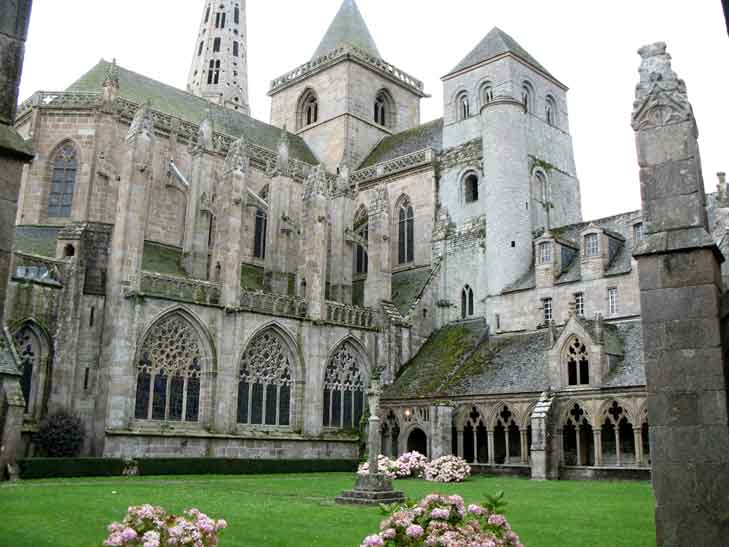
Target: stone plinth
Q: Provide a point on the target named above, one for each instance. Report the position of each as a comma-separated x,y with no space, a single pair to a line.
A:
371,490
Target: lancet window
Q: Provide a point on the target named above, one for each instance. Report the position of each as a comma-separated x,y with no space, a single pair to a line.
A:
265,382
578,363
406,233
63,181
344,389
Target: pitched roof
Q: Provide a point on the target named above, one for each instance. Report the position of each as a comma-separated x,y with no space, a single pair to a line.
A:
496,43
348,27
181,104
401,144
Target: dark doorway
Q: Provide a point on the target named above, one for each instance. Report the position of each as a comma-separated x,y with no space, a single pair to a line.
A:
418,441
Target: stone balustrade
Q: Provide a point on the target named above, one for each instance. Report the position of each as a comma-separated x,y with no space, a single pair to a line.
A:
335,55
32,267
273,304
179,288
415,159
350,316
74,99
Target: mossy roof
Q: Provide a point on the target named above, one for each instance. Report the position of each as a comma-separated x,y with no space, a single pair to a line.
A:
162,259
181,104
36,240
406,287
496,43
8,364
348,27
428,135
251,277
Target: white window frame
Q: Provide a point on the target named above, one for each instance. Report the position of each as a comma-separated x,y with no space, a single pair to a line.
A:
547,307
638,231
545,252
580,304
613,301
592,245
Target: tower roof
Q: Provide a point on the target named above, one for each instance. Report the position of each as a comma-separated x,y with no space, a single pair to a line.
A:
348,27
496,43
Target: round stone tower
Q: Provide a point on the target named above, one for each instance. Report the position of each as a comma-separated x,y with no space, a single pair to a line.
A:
506,181
219,70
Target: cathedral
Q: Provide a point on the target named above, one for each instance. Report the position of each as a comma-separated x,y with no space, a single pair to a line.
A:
192,281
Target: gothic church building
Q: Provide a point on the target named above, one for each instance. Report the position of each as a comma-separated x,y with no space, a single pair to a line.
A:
192,281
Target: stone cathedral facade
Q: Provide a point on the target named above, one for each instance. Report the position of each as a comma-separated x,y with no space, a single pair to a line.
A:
193,281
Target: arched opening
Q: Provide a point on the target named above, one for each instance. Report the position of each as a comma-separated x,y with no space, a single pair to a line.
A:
550,113
170,371
308,109
33,349
384,109
266,380
361,230
390,435
507,438
259,238
540,202
69,251
63,181
578,363
470,188
487,94
467,302
406,232
464,107
627,442
344,388
577,438
418,441
609,443
527,95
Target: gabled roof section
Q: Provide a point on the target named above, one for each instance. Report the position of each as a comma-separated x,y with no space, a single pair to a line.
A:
181,104
428,135
348,27
496,43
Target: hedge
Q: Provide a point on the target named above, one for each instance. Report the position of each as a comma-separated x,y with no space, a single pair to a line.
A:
42,468
48,468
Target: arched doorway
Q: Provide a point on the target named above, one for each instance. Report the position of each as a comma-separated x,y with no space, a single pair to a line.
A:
418,441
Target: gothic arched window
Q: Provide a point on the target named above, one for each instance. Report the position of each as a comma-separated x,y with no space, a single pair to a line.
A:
28,344
526,96
259,240
487,94
406,233
384,109
578,363
344,389
308,111
265,382
361,230
63,181
214,73
169,372
466,302
470,187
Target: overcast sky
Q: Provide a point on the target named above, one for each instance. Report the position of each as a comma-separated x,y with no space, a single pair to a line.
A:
589,45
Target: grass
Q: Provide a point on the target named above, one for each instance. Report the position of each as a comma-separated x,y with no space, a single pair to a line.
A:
298,510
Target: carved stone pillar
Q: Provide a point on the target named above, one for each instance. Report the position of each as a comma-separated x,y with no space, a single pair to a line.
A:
638,444
492,459
618,448
507,458
378,286
578,434
597,440
460,444
475,446
524,446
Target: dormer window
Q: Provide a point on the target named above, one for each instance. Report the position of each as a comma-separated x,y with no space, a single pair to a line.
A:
592,245
545,252
638,232
578,364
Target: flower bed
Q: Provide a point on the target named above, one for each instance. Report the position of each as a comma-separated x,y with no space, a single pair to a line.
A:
410,464
447,469
148,526
444,521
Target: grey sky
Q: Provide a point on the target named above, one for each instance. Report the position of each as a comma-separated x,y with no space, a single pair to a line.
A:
589,45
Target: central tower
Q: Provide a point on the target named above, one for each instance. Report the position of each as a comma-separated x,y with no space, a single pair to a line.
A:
219,69
347,98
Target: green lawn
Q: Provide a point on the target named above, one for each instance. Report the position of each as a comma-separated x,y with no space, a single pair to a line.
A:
298,510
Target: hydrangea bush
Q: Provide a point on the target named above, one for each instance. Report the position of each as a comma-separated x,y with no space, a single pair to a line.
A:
447,469
411,464
148,526
385,465
444,521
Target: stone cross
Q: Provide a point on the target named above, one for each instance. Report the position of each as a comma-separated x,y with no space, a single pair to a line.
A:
374,441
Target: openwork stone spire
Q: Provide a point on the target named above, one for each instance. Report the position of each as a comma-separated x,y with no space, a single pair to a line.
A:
142,124
238,158
660,96
316,183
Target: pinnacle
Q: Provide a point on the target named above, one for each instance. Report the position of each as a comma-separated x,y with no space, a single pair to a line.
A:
347,28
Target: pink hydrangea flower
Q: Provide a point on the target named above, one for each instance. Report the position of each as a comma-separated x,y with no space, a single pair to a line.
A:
414,531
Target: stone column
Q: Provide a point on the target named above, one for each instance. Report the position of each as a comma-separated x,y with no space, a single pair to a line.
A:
524,446
637,435
492,459
231,202
475,446
314,242
578,430
507,458
378,286
441,437
618,448
460,444
12,408
681,303
597,441
341,257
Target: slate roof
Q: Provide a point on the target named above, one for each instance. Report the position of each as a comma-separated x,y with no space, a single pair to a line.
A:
36,240
496,43
631,370
401,144
406,287
181,104
8,358
348,27
620,227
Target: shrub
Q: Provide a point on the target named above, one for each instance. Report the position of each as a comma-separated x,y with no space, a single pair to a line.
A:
447,469
60,435
45,468
385,465
411,464
231,466
443,520
148,526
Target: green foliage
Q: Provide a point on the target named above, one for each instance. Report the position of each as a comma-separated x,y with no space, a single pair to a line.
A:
60,435
299,510
495,504
46,468
230,466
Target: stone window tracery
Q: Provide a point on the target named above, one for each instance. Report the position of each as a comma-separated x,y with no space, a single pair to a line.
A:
578,363
265,382
63,181
406,233
308,110
169,372
344,389
29,350
467,302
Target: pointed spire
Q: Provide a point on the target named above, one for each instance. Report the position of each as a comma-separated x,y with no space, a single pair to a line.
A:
347,28
496,43
111,82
